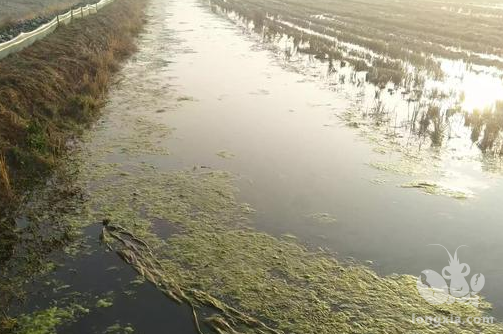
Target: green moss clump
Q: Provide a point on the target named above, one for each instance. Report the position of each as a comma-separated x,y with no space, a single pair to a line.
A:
47,321
104,303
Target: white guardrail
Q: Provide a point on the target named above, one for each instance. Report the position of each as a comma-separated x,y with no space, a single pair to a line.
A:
28,38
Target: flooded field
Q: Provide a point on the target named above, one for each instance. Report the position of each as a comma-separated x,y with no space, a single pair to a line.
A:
255,179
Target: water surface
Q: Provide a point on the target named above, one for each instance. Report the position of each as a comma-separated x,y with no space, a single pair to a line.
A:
233,104
222,90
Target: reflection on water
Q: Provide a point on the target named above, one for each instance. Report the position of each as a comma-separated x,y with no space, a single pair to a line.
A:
436,108
296,157
481,86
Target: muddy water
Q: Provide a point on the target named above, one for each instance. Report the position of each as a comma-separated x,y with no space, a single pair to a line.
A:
233,105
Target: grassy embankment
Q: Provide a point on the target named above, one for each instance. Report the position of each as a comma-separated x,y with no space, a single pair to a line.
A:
51,90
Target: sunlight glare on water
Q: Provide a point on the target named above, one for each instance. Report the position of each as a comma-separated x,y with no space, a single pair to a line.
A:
481,89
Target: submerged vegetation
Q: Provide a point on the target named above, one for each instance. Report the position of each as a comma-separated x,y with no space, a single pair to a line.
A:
244,280
234,278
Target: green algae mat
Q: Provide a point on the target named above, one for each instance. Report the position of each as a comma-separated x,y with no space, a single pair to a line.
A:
213,259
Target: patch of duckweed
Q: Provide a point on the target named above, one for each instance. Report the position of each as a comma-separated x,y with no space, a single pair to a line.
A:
254,282
433,188
47,321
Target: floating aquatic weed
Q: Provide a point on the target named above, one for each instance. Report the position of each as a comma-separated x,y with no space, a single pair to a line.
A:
402,167
323,218
242,274
104,303
380,150
112,268
58,211
254,282
225,154
119,329
138,281
246,275
289,236
45,234
61,287
378,181
185,98
47,321
247,208
137,253
279,282
142,137
260,92
433,188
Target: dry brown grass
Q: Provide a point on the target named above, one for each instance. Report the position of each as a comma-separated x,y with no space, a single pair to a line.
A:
51,89
5,187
